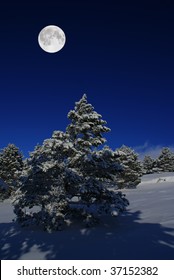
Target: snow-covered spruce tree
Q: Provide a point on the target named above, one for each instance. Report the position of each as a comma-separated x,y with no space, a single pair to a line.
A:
130,177
11,165
96,167
66,176
147,165
165,161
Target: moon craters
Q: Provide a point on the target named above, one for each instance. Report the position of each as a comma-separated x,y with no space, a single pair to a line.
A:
51,39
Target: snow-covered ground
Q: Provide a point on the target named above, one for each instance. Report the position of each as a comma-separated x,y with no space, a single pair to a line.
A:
144,231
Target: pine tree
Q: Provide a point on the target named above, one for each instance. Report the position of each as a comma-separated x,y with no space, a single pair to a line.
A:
148,165
11,164
165,161
130,177
97,167
43,184
67,176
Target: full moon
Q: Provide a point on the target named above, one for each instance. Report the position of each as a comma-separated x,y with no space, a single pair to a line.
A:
51,39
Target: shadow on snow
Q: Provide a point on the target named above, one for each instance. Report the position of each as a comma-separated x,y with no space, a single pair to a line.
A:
124,237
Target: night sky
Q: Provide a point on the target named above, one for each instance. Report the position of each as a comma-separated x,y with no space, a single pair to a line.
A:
120,53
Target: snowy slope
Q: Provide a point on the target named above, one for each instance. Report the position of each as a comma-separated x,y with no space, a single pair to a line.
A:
145,231
158,178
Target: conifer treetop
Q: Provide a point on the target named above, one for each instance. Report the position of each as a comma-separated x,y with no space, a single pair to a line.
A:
86,126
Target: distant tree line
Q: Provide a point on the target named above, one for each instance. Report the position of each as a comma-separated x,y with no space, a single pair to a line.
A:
163,163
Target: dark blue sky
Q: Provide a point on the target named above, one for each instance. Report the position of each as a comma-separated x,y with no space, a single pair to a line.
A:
120,53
